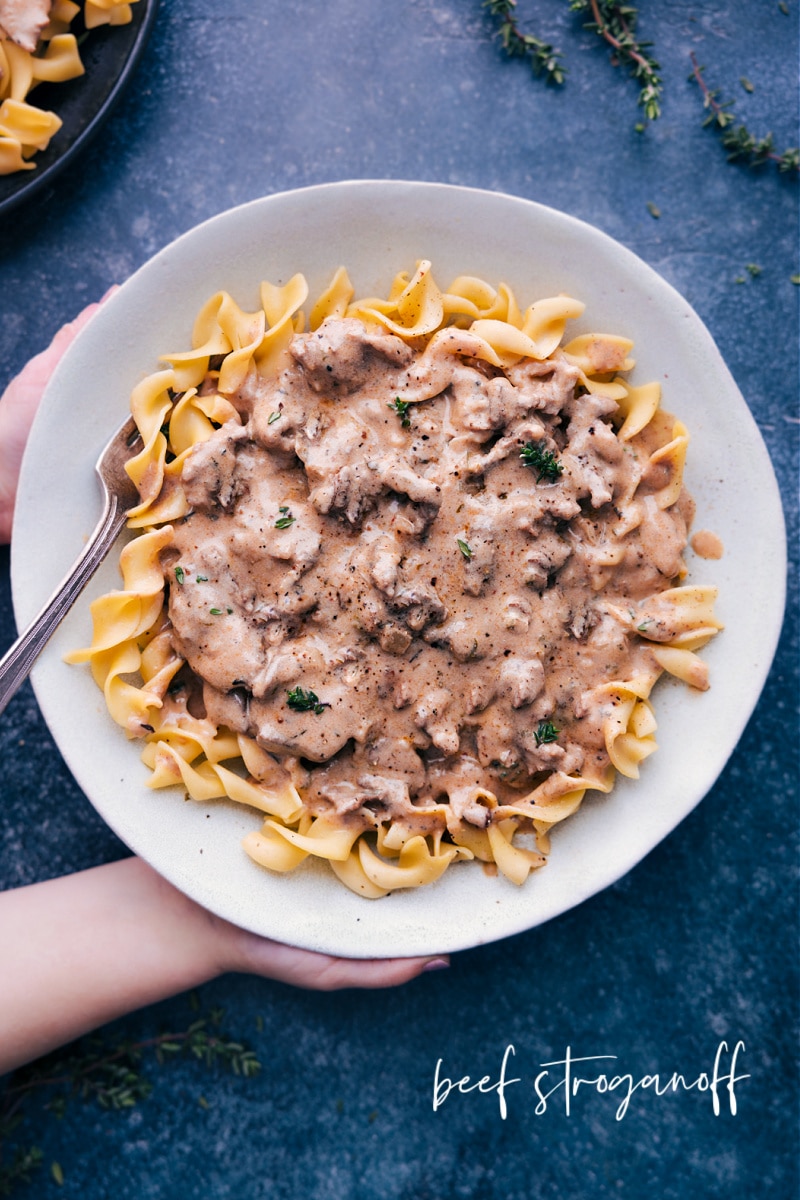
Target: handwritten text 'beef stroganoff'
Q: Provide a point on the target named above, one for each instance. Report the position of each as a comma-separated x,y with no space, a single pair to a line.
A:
564,1084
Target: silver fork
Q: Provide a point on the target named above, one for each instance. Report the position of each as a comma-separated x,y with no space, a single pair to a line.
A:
119,494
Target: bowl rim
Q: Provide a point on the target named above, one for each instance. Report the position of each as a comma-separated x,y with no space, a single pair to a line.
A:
350,940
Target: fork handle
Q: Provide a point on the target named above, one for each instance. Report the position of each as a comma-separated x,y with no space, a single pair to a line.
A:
16,664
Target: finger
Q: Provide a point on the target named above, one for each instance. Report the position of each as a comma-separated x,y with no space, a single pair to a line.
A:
25,390
18,406
372,973
34,377
322,972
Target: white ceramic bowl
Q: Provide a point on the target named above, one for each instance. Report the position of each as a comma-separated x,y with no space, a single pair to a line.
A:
376,229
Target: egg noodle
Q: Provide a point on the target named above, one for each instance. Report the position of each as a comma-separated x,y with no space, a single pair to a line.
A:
25,129
133,655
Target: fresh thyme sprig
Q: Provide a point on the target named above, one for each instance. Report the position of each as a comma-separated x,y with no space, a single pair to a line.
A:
26,1160
739,142
544,462
616,25
110,1076
544,59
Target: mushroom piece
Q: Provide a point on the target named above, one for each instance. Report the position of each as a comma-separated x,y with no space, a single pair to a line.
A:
22,21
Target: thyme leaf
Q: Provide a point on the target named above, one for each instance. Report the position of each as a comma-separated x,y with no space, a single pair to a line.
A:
544,59
465,549
401,408
305,701
544,462
736,138
545,732
616,25
286,520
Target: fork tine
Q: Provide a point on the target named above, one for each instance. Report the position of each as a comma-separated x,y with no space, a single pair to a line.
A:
119,494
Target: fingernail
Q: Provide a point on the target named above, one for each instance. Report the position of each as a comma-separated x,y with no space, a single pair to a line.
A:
436,964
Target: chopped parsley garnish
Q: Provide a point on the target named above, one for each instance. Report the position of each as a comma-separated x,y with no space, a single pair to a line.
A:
544,462
202,579
305,701
465,549
180,574
273,417
286,520
545,732
215,612
401,408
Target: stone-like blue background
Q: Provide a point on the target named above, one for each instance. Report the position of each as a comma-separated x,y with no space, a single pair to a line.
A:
698,944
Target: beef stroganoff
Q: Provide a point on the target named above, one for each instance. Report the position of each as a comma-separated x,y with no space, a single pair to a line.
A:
405,576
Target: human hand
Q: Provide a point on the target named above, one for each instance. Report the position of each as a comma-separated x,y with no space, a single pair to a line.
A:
243,951
213,946
119,937
186,944
18,406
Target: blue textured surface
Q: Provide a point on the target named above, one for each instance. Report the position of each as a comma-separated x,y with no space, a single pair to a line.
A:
698,945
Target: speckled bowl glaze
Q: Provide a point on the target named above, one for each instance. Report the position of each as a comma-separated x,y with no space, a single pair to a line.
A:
376,228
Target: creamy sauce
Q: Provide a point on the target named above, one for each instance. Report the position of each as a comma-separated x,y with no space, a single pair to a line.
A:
442,601
706,544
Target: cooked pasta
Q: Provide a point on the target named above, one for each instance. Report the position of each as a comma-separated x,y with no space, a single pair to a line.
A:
403,581
37,46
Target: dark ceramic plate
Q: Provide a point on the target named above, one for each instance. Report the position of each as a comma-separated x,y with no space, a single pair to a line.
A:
110,56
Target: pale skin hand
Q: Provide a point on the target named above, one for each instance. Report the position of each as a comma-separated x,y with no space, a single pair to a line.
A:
18,407
85,949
